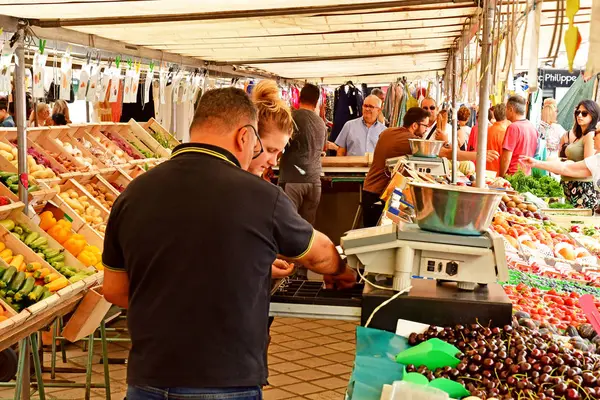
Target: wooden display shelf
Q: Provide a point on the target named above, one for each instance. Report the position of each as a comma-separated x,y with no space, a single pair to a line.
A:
16,214
116,131
116,177
66,136
132,171
152,126
46,139
99,181
80,225
145,137
103,155
61,210
346,161
101,140
126,132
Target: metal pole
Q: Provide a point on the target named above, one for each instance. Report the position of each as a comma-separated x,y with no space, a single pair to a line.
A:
484,91
454,127
20,111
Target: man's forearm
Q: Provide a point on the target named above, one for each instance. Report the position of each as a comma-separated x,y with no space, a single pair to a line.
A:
573,170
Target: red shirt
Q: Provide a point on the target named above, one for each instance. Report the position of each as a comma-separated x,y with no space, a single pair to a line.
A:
520,138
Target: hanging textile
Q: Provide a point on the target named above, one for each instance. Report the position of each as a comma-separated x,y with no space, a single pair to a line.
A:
579,91
295,101
347,105
117,106
593,63
139,111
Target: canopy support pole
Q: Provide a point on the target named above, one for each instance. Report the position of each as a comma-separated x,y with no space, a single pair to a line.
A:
484,92
454,127
20,111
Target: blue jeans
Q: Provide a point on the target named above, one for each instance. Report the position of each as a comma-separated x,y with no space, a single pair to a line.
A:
152,393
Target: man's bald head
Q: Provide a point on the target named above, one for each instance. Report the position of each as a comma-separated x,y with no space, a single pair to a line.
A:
430,105
371,109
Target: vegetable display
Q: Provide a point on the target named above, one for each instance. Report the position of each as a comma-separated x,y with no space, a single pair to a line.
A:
101,193
122,145
74,243
11,180
160,139
82,206
540,186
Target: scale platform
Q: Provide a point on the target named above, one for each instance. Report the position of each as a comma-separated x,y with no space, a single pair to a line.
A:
440,304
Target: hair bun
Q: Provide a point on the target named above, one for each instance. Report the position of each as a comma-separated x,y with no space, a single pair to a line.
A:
266,91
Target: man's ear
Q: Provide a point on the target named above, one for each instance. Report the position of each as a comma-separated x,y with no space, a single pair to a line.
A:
241,138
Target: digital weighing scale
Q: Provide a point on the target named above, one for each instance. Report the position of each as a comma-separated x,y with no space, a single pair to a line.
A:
434,166
410,251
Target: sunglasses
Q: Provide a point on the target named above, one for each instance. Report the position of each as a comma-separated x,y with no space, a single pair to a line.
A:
258,147
370,107
425,125
582,113
431,108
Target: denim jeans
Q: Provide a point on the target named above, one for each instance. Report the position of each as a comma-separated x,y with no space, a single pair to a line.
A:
152,393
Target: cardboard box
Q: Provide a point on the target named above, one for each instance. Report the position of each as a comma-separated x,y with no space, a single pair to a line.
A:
88,315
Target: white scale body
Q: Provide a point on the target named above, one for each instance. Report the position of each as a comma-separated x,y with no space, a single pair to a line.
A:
434,166
411,251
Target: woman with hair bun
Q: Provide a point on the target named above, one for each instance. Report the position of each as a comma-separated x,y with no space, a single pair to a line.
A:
275,127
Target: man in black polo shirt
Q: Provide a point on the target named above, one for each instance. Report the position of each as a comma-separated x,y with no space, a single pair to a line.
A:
188,249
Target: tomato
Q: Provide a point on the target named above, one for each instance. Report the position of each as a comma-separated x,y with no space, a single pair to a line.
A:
574,295
569,301
552,292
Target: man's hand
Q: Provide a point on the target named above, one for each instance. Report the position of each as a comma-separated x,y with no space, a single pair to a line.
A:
332,146
492,155
281,269
345,280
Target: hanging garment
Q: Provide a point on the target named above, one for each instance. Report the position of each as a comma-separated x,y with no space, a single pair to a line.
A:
579,91
139,111
184,114
295,102
347,105
117,106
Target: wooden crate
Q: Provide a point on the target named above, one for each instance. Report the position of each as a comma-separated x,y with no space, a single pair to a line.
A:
78,220
78,225
565,221
114,131
152,126
126,133
345,161
100,182
66,136
16,214
104,156
46,138
143,135
116,177
109,145
131,170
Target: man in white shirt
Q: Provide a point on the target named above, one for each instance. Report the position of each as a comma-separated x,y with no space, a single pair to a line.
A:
359,136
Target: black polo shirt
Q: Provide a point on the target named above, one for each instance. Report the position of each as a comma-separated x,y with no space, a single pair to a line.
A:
197,236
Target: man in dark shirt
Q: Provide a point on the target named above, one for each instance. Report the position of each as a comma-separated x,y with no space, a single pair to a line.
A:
300,165
393,142
188,249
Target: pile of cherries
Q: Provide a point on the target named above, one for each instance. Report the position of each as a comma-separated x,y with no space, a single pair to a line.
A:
514,362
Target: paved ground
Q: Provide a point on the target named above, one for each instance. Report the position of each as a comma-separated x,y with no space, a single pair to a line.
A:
308,359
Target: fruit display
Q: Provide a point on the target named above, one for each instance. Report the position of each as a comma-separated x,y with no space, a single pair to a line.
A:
101,193
518,361
76,244
517,206
160,138
82,206
117,155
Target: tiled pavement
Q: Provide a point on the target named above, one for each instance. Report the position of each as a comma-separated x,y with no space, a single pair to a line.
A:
308,360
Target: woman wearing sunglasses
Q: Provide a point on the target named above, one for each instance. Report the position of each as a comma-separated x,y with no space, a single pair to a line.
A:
577,145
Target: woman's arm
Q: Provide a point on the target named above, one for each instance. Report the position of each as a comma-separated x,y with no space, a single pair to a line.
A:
573,170
588,145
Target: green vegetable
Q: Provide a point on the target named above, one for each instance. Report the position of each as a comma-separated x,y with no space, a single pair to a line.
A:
18,230
5,175
7,276
558,205
50,253
544,186
31,237
2,270
17,282
42,255
40,241
25,229
14,188
12,180
58,258
27,287
9,224
47,293
33,188
35,294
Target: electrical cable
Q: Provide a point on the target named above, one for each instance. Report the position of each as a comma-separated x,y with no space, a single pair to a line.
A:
379,307
364,278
